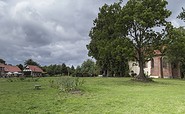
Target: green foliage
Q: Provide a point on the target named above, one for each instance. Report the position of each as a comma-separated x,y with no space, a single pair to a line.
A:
2,61
176,45
106,41
182,15
31,62
67,84
124,32
175,50
20,66
61,70
87,69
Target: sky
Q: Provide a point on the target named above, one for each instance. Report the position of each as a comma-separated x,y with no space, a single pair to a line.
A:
53,31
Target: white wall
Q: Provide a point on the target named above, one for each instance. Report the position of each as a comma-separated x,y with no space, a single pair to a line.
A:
134,66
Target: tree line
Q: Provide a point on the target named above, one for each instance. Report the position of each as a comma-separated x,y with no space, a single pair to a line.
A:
87,69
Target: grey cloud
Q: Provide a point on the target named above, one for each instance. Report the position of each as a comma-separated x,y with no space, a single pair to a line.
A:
52,31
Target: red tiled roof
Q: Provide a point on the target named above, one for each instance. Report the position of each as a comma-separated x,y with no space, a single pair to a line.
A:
34,68
9,68
12,68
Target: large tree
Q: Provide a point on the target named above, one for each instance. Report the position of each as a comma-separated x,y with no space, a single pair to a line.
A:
144,22
106,41
140,23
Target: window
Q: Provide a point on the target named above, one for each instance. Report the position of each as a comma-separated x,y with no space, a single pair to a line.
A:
152,63
164,62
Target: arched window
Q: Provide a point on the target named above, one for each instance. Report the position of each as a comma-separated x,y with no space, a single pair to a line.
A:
152,63
165,62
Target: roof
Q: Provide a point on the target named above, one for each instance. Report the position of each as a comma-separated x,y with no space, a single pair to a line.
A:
34,68
10,68
157,52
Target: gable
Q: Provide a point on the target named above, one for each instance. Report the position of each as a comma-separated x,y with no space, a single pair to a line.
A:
33,68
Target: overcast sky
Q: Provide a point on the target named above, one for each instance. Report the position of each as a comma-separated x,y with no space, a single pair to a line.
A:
53,31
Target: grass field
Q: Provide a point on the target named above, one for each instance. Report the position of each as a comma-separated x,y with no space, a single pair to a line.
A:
99,96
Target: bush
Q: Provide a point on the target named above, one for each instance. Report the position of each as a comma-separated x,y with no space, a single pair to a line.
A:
67,84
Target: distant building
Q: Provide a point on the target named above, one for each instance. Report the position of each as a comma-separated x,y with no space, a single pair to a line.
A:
9,70
32,70
158,67
1,70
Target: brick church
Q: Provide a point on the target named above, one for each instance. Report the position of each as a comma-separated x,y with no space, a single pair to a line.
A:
158,67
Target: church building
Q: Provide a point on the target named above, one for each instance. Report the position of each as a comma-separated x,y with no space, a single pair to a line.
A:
158,67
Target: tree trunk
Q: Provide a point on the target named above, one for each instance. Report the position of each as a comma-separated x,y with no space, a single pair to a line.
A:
141,71
141,76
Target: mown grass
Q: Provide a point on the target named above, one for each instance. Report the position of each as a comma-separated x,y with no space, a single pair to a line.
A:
99,96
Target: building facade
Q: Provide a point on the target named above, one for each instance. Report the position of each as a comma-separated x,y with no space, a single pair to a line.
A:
158,67
32,70
9,70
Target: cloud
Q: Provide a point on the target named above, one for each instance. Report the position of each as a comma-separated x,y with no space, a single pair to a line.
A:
48,31
52,31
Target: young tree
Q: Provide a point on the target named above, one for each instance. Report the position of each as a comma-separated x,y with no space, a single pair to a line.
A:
88,67
64,69
30,62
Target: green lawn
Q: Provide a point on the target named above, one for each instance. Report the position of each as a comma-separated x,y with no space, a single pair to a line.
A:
100,96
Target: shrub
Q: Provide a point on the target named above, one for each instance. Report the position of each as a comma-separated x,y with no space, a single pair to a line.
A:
67,84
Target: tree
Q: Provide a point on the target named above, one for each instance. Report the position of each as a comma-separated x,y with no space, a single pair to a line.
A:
88,67
20,66
139,20
176,47
143,22
78,72
105,38
182,15
30,62
64,69
2,61
72,70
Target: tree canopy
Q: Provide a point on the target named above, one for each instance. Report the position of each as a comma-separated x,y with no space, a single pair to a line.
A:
139,26
106,45
176,45
31,62
2,61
